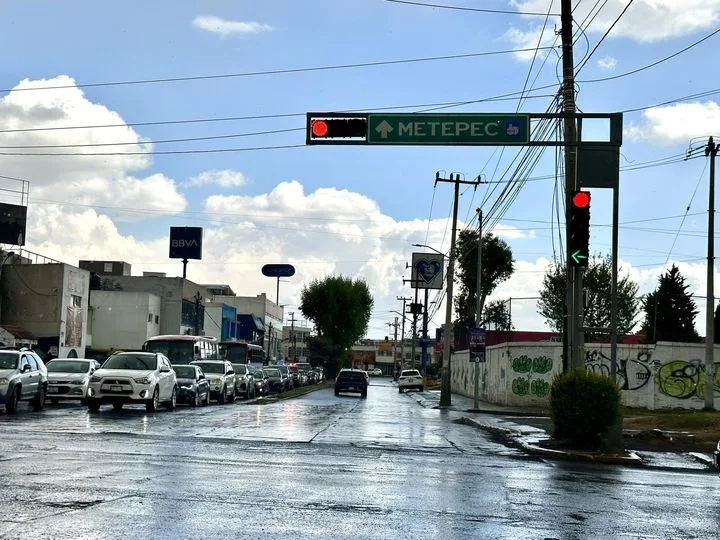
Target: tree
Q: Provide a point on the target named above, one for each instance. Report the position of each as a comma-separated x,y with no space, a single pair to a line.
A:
497,266
340,309
496,314
670,310
597,280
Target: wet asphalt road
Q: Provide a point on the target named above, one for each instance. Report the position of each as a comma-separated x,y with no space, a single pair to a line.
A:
319,466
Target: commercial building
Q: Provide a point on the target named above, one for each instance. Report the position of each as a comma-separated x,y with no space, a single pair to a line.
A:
122,319
295,342
47,303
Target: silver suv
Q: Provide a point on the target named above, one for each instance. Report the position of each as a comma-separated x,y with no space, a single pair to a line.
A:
23,377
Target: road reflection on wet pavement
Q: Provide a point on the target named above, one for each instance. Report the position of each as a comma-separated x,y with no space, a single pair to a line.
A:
318,466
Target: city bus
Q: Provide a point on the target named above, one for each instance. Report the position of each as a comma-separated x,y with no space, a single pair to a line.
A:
241,352
183,349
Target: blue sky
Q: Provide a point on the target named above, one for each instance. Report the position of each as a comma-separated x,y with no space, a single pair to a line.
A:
95,42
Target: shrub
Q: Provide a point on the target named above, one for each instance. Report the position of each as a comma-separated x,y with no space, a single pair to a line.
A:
584,406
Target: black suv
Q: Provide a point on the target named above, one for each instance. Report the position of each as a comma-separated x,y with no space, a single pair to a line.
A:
351,380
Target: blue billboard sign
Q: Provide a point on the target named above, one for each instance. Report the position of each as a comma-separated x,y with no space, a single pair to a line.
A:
278,270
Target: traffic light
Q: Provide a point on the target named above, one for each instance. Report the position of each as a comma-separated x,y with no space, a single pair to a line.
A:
336,129
578,241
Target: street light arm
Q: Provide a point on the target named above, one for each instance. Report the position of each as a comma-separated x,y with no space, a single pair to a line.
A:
429,247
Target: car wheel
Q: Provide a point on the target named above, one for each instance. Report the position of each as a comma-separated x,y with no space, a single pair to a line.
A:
222,398
197,401
39,401
118,405
400,390
337,392
12,404
93,405
421,388
173,400
154,403
363,394
207,398
231,399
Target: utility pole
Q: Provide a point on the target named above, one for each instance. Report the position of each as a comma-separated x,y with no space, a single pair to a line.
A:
424,361
198,297
292,335
404,299
573,337
446,388
711,150
414,328
478,307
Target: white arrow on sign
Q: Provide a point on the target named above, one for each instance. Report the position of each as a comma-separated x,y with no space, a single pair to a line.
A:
384,128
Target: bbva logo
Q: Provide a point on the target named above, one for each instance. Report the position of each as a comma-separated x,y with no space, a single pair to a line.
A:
183,243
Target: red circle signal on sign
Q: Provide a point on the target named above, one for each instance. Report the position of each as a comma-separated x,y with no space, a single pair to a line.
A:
319,128
581,199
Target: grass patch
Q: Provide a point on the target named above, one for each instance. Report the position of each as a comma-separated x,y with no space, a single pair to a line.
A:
292,393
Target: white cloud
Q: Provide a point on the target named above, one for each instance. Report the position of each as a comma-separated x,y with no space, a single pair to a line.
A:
608,63
223,178
81,177
225,27
676,123
528,39
646,21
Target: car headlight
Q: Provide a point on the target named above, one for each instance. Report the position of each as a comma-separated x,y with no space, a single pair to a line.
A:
143,380
4,381
95,379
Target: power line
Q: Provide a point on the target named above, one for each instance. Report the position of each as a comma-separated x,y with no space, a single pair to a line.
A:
273,71
480,10
607,32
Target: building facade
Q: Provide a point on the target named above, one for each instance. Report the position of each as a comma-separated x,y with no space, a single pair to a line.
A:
295,343
270,313
122,319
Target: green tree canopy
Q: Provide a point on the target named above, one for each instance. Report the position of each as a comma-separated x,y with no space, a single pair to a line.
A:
597,280
340,308
670,310
497,266
497,315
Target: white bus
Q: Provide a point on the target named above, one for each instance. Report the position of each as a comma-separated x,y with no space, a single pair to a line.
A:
183,349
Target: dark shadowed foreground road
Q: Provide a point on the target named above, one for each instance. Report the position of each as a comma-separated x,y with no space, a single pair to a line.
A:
321,467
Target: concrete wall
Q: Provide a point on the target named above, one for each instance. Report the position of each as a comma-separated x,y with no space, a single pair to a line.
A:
213,320
120,319
74,312
665,375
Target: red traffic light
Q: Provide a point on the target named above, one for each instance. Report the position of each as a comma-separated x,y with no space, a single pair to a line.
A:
319,128
581,199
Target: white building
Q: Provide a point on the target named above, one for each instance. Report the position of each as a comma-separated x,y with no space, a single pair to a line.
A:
295,342
270,313
122,319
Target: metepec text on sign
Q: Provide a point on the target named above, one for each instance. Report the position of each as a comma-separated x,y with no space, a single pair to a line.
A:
448,129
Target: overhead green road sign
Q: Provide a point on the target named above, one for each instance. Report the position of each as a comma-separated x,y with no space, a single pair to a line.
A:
449,129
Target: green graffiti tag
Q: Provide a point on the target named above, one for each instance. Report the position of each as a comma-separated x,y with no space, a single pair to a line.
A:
521,387
684,380
538,365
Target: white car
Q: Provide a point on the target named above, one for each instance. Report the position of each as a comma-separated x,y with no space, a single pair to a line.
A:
68,378
410,378
377,372
133,377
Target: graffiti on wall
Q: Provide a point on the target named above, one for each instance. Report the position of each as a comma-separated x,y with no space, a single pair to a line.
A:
527,384
632,373
684,380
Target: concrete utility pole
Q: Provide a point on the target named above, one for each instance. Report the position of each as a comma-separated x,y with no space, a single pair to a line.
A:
478,307
424,361
395,326
198,297
573,350
291,351
446,388
711,150
404,299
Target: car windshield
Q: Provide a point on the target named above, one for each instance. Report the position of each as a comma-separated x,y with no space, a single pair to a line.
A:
184,372
68,366
240,369
271,372
9,360
140,362
410,373
212,367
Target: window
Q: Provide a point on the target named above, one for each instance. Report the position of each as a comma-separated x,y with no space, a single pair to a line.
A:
157,319
149,317
24,362
107,267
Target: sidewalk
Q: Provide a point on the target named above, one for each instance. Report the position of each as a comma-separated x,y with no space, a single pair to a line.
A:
513,426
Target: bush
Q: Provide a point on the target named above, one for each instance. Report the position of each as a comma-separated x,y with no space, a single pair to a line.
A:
584,406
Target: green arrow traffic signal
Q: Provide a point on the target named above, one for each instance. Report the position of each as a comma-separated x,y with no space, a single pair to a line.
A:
576,256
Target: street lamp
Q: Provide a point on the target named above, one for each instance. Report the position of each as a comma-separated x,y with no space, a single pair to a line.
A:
429,247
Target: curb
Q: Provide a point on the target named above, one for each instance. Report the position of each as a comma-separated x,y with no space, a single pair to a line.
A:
702,458
509,413
514,439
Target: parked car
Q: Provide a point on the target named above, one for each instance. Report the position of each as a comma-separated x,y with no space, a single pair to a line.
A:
133,377
244,381
23,377
409,379
221,377
377,372
295,374
68,378
286,376
261,384
274,379
351,380
193,386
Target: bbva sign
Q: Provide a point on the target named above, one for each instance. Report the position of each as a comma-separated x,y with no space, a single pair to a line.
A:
186,242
